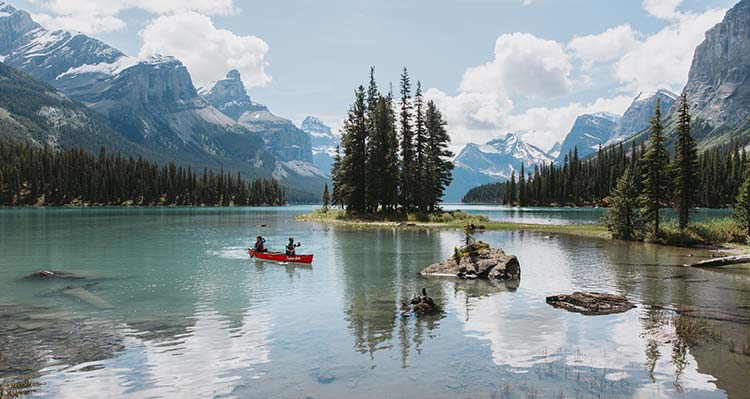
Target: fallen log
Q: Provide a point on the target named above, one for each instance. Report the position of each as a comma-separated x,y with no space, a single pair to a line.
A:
726,261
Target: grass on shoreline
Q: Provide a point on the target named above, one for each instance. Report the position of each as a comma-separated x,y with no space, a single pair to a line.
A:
722,233
448,220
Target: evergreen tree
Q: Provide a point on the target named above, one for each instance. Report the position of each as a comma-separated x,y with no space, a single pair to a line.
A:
421,194
353,164
623,218
438,167
407,179
388,139
337,179
375,147
742,207
655,163
326,197
521,194
685,166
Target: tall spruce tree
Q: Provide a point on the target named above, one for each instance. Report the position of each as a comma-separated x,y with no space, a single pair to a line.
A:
375,148
337,179
421,193
438,165
623,216
685,166
326,197
388,139
521,194
407,145
655,164
353,164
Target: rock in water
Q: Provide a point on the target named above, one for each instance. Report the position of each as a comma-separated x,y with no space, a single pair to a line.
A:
591,303
487,263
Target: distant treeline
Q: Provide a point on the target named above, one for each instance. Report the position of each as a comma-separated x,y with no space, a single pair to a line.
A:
31,175
588,182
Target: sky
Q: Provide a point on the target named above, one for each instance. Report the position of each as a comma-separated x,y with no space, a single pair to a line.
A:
492,66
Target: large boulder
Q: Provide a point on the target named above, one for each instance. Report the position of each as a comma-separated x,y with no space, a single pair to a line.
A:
486,263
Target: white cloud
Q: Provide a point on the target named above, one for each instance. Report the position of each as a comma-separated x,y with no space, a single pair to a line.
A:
544,126
664,58
664,9
208,52
523,64
103,15
477,118
606,46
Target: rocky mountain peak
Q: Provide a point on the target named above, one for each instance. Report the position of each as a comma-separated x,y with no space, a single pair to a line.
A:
234,75
315,126
718,89
230,96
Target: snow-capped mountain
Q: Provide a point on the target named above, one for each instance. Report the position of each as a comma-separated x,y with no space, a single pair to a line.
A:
150,102
290,145
636,118
555,151
324,142
153,104
283,138
589,132
494,161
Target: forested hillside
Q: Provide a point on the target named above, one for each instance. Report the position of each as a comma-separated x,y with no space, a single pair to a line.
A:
31,175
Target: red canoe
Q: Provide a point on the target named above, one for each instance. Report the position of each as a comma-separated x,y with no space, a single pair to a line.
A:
280,257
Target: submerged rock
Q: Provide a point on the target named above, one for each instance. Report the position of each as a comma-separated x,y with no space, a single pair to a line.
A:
591,303
480,262
58,274
421,304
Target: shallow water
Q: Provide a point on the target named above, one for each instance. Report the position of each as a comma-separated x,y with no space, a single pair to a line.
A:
542,215
170,305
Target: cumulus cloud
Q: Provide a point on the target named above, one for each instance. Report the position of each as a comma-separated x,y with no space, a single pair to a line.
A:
527,67
664,58
476,118
523,65
103,15
607,46
664,9
207,52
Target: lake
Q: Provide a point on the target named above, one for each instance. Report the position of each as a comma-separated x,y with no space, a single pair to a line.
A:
167,303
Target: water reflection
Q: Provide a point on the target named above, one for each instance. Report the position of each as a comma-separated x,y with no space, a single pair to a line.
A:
191,315
378,278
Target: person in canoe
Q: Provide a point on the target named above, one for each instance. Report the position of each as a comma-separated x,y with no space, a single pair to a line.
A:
291,248
260,244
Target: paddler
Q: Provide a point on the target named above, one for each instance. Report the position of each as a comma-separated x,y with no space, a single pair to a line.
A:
291,247
260,244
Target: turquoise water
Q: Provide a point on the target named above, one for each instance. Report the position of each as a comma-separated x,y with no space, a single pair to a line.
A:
168,304
541,215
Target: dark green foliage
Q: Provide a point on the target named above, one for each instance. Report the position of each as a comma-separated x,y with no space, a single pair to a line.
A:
685,166
742,208
354,162
623,217
485,194
437,169
655,163
720,174
63,177
370,177
326,197
408,171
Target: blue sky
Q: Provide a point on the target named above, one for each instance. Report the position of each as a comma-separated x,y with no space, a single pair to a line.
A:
492,65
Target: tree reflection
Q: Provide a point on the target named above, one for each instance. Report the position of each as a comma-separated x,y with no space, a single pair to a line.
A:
378,277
